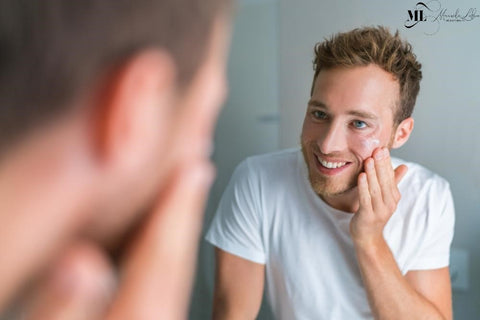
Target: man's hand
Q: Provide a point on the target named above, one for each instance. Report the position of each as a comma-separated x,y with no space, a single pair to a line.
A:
378,197
155,275
390,294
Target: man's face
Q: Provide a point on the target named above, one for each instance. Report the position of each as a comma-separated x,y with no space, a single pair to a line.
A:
349,115
191,123
200,104
179,132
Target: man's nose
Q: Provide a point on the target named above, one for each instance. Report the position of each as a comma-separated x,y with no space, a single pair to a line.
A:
333,140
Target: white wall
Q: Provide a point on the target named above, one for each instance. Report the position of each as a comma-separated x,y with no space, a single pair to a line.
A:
446,138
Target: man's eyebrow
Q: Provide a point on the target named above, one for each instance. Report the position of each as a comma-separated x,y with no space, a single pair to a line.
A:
316,103
363,114
357,113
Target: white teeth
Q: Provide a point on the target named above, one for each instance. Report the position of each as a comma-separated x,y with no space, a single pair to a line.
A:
331,165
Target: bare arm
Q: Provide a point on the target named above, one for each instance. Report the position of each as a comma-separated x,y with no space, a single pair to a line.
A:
392,296
238,287
435,286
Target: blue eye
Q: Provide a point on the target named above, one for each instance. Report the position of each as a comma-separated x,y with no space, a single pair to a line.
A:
319,115
359,124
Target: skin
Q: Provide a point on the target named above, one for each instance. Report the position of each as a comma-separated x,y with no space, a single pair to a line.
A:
237,297
349,120
132,158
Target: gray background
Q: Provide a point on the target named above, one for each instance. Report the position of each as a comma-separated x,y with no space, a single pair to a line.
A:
270,74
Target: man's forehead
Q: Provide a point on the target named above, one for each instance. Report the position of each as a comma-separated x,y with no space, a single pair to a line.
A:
366,91
350,78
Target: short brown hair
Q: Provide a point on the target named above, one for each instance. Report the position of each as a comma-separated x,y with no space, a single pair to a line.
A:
52,51
374,45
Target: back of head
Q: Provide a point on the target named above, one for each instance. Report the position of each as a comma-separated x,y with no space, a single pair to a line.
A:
370,45
51,51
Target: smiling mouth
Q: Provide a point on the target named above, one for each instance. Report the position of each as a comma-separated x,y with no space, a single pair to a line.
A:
331,165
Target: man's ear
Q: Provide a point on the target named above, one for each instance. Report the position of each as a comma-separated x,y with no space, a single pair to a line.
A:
402,133
133,109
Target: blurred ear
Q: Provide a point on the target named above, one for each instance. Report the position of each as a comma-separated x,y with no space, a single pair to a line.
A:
402,133
135,107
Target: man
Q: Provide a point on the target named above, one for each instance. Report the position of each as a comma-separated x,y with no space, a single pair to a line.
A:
337,232
107,113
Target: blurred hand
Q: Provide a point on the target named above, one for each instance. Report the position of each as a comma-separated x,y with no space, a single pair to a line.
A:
155,275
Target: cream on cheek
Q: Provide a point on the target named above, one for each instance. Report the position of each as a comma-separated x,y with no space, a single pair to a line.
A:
366,144
369,145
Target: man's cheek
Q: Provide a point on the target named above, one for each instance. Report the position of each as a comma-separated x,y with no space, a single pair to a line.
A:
368,145
364,147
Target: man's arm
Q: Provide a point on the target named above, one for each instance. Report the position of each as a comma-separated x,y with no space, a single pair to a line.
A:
393,296
390,294
238,287
435,286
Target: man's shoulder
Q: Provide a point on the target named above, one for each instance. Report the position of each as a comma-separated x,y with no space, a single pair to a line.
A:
419,177
270,167
285,157
420,231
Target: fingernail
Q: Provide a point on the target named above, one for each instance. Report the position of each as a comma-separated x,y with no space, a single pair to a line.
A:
362,177
380,154
199,148
206,148
202,174
369,164
84,271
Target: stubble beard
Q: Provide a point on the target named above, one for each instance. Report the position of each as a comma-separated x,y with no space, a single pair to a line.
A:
326,186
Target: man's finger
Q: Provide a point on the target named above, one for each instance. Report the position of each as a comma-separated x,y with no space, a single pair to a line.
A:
385,174
373,184
400,172
157,275
79,287
364,194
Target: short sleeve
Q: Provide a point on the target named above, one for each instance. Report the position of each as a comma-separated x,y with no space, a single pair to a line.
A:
434,252
236,227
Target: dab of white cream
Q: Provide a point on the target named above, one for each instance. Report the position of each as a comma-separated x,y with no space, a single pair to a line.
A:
371,144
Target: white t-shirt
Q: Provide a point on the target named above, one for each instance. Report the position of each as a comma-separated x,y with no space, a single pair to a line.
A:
269,214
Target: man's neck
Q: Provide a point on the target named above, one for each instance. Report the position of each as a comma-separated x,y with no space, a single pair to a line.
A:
346,201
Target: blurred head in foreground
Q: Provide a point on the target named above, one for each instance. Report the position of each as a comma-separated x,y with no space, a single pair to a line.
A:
100,102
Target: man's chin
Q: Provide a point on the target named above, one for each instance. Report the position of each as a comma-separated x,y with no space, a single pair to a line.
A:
331,192
325,188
